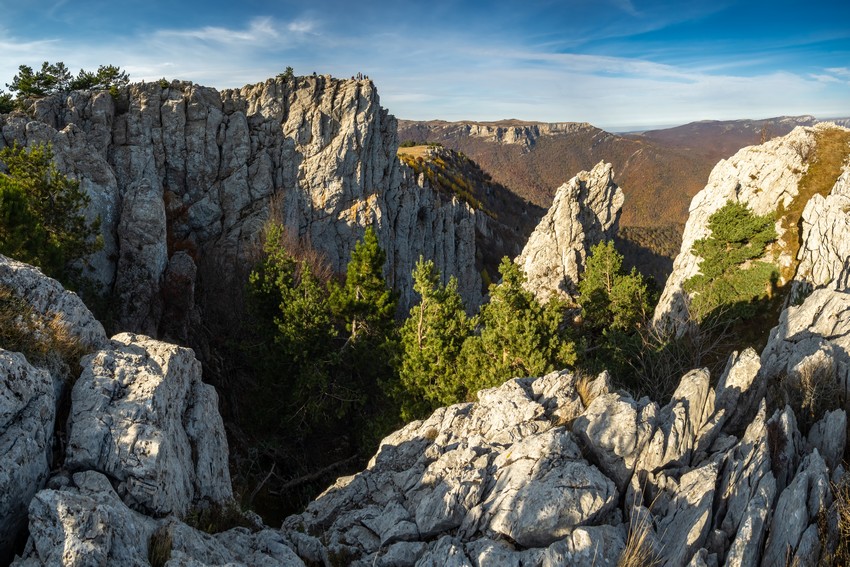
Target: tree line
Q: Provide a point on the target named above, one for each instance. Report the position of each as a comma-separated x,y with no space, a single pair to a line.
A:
54,78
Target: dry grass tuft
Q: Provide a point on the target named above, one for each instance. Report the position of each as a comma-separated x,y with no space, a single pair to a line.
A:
639,551
811,390
584,389
160,546
831,152
834,525
43,339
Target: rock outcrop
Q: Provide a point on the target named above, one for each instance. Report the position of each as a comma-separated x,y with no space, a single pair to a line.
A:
188,168
144,450
584,213
825,251
711,478
27,414
141,415
765,178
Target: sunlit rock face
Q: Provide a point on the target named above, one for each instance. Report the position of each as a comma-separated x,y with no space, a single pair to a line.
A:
766,178
141,415
186,168
557,469
543,471
585,212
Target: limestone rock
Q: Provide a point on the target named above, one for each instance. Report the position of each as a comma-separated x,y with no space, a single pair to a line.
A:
187,167
829,437
498,467
825,247
544,489
140,413
615,429
745,494
143,258
796,510
681,426
684,509
585,211
27,414
815,333
47,297
764,177
84,522
739,390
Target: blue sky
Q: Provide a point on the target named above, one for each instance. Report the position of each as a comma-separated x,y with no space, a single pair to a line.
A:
614,63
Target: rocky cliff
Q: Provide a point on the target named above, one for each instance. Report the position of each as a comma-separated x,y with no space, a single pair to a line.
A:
183,168
584,213
767,178
540,471
553,470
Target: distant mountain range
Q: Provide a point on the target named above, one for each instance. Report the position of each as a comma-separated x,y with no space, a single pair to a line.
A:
658,170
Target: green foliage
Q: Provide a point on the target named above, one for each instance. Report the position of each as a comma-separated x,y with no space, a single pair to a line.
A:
431,341
55,78
609,298
41,214
365,302
287,74
615,307
163,83
731,280
7,102
107,77
51,78
292,308
517,336
325,350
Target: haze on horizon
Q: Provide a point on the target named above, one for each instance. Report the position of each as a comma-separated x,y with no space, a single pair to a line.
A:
617,64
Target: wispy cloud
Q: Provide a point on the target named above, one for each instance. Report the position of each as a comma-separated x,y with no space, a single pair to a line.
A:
259,31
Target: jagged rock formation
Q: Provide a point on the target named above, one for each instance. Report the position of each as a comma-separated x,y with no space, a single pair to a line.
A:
765,177
825,253
539,471
512,132
188,168
173,452
584,213
27,414
146,449
535,473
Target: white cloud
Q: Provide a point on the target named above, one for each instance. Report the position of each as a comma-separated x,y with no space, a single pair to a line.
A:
840,71
259,31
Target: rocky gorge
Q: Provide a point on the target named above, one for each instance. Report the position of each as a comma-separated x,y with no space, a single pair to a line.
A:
124,464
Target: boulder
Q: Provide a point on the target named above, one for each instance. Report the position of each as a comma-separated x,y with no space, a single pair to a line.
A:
27,415
82,521
140,414
585,212
47,297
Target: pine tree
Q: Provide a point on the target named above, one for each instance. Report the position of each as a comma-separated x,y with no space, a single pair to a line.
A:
431,340
42,214
731,279
294,320
365,302
517,336
609,298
